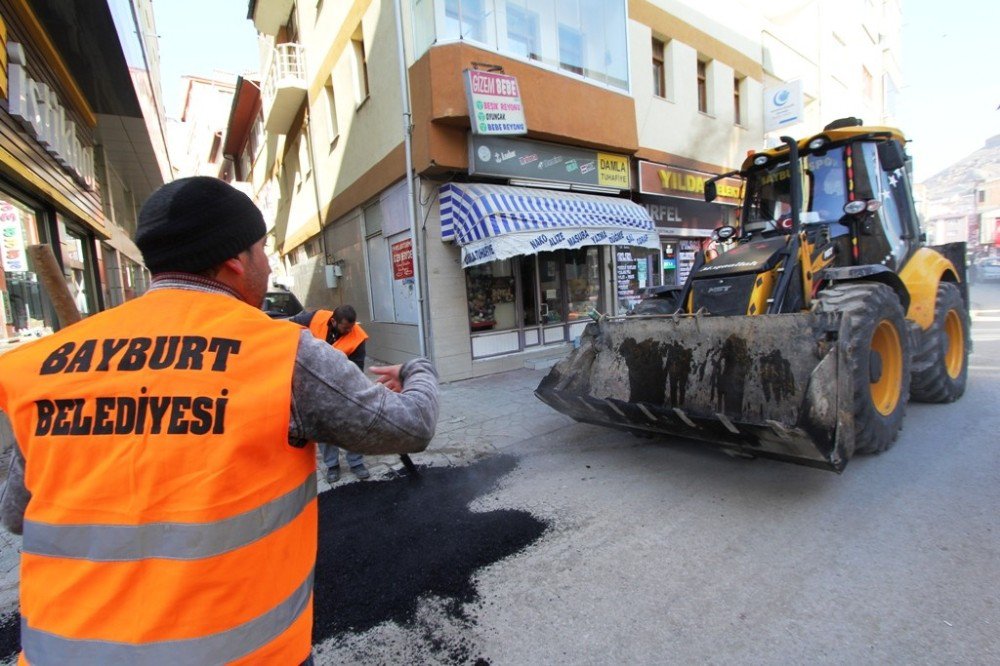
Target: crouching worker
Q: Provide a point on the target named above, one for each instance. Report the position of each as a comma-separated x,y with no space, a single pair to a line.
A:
341,329
163,476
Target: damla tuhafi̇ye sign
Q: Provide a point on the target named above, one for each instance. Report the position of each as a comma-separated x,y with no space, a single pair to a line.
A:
494,103
505,157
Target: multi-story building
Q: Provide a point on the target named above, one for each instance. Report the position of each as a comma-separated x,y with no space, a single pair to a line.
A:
401,192
83,146
196,136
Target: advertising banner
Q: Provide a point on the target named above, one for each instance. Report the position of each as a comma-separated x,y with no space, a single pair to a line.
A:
505,157
503,247
402,259
14,256
494,103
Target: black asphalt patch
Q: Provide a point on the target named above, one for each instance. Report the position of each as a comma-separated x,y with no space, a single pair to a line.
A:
10,635
384,546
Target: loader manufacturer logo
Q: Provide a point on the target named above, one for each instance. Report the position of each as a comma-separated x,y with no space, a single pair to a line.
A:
721,289
738,264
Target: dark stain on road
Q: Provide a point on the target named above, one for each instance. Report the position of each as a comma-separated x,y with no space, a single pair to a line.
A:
384,546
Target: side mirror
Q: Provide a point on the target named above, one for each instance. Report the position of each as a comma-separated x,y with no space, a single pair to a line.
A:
724,233
891,155
710,191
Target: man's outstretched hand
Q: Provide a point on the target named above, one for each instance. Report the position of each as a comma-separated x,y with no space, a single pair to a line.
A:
388,376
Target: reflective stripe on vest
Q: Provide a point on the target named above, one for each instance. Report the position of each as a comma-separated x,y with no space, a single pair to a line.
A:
170,521
45,648
174,541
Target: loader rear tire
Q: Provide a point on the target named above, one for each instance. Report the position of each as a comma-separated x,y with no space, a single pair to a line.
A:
879,360
941,356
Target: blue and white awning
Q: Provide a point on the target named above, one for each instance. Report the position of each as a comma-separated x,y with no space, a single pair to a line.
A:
496,222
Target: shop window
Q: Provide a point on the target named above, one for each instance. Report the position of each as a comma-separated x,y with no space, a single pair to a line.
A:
78,267
638,269
490,291
583,282
25,308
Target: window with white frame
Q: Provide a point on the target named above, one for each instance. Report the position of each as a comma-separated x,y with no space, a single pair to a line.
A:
465,19
739,99
360,65
332,126
702,85
659,69
585,37
522,31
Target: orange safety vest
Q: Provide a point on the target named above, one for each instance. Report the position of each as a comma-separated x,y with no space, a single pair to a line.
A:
319,326
170,521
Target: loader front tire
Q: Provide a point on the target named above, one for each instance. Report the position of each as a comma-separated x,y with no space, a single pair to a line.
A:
879,360
941,357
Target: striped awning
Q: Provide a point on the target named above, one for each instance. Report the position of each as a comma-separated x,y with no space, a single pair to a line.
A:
496,222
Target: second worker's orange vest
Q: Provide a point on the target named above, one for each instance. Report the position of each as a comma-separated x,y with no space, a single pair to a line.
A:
319,326
170,521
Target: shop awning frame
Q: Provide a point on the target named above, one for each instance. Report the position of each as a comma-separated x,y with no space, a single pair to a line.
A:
496,222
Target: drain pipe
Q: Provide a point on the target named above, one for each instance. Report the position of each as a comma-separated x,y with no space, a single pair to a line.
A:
404,86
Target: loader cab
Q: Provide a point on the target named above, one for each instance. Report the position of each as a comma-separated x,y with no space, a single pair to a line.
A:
847,193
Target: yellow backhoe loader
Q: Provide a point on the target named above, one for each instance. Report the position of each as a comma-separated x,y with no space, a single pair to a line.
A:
804,341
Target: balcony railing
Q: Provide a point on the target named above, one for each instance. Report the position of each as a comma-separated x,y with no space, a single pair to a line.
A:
285,86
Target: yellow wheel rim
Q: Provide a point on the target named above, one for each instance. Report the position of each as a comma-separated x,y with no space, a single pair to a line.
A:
885,391
954,337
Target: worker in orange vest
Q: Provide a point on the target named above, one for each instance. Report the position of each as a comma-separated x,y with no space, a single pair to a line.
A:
341,329
163,475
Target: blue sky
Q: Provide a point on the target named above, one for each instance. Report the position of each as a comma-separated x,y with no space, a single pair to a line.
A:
202,37
947,107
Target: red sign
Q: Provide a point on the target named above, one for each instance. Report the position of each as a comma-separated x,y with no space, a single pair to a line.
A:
402,259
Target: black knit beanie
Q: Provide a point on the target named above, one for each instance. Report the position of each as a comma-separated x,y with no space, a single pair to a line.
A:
195,223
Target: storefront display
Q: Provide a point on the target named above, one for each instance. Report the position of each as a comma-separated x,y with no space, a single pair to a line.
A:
26,310
674,198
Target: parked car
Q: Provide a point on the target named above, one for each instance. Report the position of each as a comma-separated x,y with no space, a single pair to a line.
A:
986,269
281,304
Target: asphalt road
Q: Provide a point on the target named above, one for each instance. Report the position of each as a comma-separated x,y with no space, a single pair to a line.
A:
666,553
536,540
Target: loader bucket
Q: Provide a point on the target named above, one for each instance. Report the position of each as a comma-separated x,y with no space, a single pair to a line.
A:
776,386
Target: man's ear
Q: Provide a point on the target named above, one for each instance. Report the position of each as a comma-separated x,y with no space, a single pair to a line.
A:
235,264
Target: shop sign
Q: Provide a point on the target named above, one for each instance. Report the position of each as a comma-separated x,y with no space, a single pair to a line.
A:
783,105
626,276
402,259
674,181
37,107
682,217
14,257
494,103
504,157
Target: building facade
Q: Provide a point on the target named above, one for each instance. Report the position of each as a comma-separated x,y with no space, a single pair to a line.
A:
83,145
479,177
